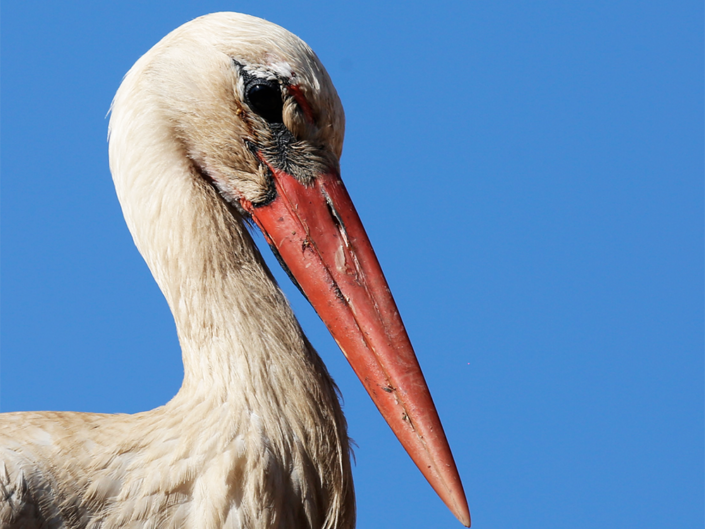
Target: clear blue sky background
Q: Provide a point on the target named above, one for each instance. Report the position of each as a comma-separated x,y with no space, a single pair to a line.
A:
531,174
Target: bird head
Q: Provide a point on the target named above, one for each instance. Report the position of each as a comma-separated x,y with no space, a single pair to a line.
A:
245,98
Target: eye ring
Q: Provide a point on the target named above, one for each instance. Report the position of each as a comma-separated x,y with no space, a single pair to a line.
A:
264,97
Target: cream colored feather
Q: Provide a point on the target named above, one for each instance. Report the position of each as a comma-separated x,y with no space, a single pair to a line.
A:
255,438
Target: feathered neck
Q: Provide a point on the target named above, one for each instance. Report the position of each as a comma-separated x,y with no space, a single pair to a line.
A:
242,346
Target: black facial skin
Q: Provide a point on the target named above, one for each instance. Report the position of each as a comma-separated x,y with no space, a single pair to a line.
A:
273,145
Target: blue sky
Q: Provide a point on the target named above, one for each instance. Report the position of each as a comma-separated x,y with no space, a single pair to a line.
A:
531,175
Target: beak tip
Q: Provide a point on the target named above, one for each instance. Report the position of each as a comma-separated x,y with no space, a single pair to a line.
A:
463,516
458,505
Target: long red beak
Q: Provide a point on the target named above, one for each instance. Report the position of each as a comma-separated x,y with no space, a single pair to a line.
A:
320,238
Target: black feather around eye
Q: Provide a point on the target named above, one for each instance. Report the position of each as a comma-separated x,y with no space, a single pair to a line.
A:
265,98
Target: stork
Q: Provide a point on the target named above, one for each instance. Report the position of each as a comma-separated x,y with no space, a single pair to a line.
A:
231,121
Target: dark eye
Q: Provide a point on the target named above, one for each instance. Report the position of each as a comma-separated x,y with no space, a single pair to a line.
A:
266,100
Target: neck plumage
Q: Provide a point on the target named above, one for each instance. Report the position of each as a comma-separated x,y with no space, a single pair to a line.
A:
235,326
242,346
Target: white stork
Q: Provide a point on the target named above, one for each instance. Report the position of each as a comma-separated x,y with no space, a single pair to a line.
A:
228,120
